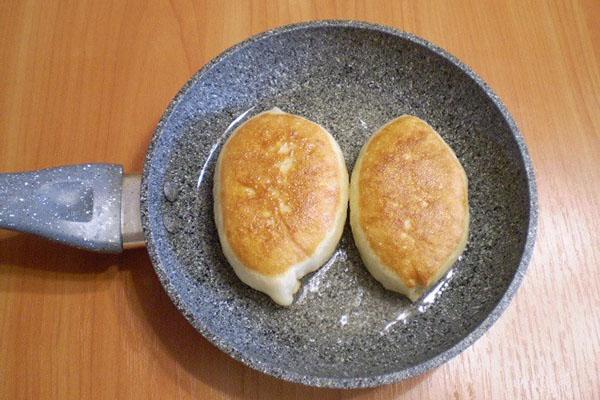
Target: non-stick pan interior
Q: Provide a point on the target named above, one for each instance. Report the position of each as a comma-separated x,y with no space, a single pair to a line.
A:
344,329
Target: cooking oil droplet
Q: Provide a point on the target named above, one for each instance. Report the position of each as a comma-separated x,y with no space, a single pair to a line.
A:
171,223
171,190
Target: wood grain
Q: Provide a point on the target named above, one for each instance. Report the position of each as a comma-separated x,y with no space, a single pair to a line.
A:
88,80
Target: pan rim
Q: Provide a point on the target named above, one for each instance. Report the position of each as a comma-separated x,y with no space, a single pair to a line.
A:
365,381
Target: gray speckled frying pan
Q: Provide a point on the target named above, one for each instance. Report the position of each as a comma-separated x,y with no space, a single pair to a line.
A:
344,329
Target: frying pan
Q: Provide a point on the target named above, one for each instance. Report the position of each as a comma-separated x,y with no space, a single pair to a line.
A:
344,329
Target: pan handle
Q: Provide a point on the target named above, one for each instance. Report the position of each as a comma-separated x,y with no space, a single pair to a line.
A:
89,206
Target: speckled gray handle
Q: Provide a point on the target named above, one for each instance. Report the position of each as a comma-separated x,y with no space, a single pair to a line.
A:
78,205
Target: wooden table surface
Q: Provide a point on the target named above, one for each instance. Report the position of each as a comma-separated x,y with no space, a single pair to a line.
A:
87,81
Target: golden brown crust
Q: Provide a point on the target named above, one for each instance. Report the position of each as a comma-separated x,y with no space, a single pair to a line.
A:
413,200
279,190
